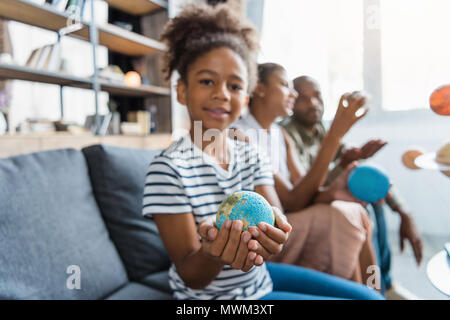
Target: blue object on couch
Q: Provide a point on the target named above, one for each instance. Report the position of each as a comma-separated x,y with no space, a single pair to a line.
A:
52,219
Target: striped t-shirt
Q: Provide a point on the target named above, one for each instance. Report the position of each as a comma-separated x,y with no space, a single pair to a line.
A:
184,179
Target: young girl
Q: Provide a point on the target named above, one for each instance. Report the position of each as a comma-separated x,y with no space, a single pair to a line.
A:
213,52
334,236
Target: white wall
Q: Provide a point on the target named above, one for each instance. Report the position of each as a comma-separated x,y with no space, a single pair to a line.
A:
426,192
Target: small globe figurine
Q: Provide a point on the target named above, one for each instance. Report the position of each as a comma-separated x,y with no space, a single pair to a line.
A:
247,206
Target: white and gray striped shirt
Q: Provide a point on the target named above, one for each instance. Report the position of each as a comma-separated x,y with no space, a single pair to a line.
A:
184,179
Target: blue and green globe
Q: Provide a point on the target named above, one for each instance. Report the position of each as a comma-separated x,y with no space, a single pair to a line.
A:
247,206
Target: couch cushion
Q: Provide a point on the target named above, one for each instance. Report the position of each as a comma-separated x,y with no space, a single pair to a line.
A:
158,280
118,178
50,221
136,291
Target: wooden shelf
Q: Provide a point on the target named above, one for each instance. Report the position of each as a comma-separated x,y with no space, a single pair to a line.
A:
138,7
143,90
11,145
46,17
29,74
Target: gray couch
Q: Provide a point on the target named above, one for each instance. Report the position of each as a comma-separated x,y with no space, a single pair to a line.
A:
71,227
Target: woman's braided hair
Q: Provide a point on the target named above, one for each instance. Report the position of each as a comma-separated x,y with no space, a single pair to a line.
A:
200,28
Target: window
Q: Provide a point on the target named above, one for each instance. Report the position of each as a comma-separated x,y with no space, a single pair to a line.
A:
415,51
322,39
325,40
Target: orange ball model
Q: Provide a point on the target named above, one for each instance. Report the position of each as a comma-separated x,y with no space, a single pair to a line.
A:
440,100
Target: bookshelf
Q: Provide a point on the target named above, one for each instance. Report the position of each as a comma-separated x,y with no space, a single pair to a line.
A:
112,37
138,7
29,74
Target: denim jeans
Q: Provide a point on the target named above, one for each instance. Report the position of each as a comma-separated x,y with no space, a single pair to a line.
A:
296,283
381,244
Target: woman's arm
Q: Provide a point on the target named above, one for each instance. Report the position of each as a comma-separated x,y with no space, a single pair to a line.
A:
303,193
292,159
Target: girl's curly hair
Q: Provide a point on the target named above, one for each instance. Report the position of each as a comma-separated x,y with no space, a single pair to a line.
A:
200,28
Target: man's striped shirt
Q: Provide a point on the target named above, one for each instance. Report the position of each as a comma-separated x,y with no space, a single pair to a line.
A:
183,179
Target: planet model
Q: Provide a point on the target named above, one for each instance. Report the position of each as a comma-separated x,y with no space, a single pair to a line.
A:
247,206
440,100
443,154
409,156
368,183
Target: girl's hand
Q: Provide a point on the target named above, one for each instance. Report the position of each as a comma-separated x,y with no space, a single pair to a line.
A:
269,240
229,245
346,115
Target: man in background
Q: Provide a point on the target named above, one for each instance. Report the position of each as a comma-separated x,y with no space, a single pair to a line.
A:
307,130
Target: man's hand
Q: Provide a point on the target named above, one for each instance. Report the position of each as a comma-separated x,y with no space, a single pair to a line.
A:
408,231
338,190
365,152
229,245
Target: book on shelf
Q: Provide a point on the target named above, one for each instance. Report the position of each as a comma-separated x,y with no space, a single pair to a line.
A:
32,59
54,60
46,58
43,56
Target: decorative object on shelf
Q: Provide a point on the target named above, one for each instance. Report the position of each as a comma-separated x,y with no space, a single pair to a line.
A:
59,5
140,66
111,73
132,79
440,100
143,118
153,109
75,7
114,126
